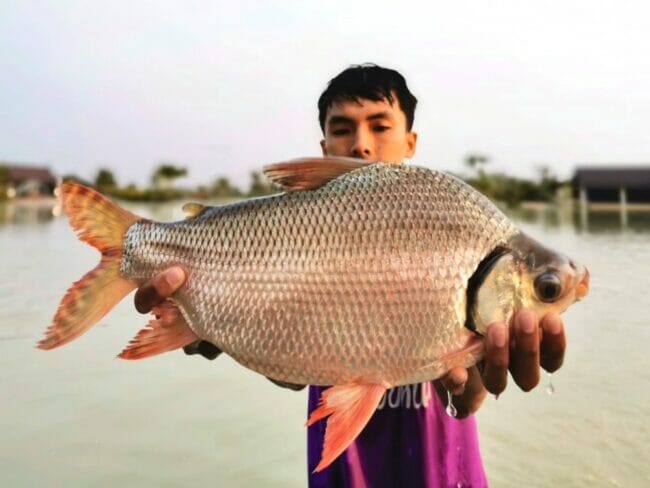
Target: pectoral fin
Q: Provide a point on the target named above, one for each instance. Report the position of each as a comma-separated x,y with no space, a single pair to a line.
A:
469,354
349,408
168,331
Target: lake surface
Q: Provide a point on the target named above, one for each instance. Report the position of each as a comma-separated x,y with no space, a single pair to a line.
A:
76,416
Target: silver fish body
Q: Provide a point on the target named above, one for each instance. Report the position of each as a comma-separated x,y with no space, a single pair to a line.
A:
364,279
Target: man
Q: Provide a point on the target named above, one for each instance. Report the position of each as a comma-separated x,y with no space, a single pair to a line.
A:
367,112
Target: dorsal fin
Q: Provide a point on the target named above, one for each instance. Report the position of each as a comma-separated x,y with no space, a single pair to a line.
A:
192,209
310,173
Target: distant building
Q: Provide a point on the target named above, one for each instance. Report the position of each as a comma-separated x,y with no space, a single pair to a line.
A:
29,181
613,184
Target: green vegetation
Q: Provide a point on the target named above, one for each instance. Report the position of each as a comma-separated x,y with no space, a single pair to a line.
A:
72,178
164,175
259,185
162,179
222,188
496,186
105,180
510,190
4,182
134,193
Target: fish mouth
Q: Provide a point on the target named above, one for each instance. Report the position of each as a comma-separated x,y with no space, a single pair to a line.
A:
582,288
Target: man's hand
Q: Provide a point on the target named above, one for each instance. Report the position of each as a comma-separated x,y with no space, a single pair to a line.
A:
160,288
521,350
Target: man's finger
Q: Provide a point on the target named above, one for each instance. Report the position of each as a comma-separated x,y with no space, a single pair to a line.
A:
524,353
159,288
553,343
470,398
495,363
454,381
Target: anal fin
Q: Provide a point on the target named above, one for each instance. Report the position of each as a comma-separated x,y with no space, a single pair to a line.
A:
168,331
348,408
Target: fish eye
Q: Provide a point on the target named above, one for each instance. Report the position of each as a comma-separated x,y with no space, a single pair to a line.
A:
548,287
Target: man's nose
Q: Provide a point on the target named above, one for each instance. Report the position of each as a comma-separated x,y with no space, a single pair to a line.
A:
361,147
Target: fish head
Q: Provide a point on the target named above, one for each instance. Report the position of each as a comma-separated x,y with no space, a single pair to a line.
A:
523,274
548,281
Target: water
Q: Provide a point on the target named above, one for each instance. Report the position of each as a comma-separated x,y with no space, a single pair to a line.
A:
76,416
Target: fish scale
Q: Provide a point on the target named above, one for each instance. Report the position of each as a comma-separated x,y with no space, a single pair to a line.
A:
363,278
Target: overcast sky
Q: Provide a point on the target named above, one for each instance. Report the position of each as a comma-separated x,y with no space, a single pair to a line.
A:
223,88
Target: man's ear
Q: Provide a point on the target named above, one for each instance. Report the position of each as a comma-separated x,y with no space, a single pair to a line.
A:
411,143
322,147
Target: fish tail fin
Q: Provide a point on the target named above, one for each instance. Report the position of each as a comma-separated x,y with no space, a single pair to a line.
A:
102,224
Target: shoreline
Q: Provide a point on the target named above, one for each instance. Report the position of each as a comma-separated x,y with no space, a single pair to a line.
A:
526,205
593,206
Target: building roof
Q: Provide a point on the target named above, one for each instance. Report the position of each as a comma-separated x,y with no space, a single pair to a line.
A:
612,177
23,173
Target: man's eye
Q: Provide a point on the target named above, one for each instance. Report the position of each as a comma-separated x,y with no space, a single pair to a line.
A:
340,132
381,128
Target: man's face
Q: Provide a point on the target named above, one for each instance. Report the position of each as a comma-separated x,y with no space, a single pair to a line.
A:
375,131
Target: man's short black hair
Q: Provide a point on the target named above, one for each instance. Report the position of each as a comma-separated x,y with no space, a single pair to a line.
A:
371,82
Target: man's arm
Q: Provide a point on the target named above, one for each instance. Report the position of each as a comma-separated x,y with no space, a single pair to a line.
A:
530,344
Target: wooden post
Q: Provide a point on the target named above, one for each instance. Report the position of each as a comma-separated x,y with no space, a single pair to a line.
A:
583,208
622,197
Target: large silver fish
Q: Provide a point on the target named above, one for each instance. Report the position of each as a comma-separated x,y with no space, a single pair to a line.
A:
363,276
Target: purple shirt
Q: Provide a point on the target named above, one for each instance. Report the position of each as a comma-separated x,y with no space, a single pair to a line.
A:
409,441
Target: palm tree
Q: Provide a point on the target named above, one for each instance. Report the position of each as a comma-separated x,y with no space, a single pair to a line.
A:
165,173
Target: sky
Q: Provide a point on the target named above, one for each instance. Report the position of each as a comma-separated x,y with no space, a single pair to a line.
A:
225,87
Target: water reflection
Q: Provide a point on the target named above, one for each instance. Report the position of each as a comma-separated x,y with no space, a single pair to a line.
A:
592,222
21,212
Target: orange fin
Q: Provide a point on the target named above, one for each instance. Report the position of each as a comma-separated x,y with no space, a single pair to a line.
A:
102,224
469,354
349,408
310,173
474,346
168,331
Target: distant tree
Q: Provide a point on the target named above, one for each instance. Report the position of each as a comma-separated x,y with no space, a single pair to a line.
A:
482,181
4,181
544,171
259,185
548,184
476,161
222,188
165,173
105,179
72,178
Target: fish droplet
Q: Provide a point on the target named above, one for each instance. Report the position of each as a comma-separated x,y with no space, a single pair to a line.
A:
451,410
550,389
